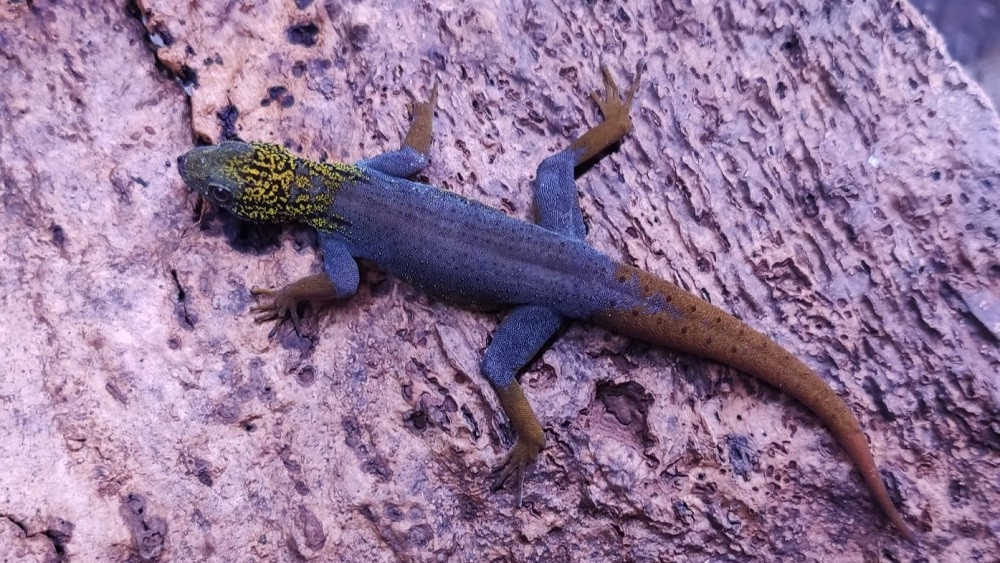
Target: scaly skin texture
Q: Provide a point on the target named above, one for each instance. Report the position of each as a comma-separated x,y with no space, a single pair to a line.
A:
465,251
274,186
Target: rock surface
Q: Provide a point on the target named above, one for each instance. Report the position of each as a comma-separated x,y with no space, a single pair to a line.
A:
971,36
824,172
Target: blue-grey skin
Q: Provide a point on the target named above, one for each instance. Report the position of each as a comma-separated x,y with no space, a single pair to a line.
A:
462,250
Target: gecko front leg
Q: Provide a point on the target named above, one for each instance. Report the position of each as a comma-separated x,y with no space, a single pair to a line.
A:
339,280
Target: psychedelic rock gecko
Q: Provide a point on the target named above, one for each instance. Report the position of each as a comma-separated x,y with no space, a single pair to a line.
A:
462,250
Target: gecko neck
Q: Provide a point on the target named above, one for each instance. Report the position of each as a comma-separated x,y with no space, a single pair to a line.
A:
314,188
280,187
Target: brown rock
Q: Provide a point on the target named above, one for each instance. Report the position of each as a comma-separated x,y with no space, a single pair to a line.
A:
823,171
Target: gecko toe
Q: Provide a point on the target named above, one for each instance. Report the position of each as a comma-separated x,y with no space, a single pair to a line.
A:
514,467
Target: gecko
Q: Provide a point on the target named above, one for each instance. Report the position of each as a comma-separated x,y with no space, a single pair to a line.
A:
464,251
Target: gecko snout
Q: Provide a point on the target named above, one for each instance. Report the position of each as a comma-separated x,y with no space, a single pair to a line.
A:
181,168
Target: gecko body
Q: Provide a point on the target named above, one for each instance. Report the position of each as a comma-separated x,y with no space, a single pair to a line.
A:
462,250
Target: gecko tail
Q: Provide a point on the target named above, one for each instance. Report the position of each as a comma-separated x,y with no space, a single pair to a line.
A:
672,318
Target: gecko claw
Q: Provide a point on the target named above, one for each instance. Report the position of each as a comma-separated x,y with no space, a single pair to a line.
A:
612,105
282,304
432,102
515,465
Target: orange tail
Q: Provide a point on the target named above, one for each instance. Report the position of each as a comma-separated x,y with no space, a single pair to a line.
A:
678,320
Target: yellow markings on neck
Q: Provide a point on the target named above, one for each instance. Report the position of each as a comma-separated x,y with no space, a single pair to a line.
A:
276,186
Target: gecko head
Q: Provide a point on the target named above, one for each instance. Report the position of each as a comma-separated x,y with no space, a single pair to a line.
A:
251,180
262,182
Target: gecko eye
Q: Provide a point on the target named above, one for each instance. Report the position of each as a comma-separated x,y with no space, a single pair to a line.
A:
221,194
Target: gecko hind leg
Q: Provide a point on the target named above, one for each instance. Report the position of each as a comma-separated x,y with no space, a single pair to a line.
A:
529,327
516,341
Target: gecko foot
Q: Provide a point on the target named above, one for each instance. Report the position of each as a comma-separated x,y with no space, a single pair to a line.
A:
285,302
419,135
430,104
616,124
279,306
515,465
613,106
